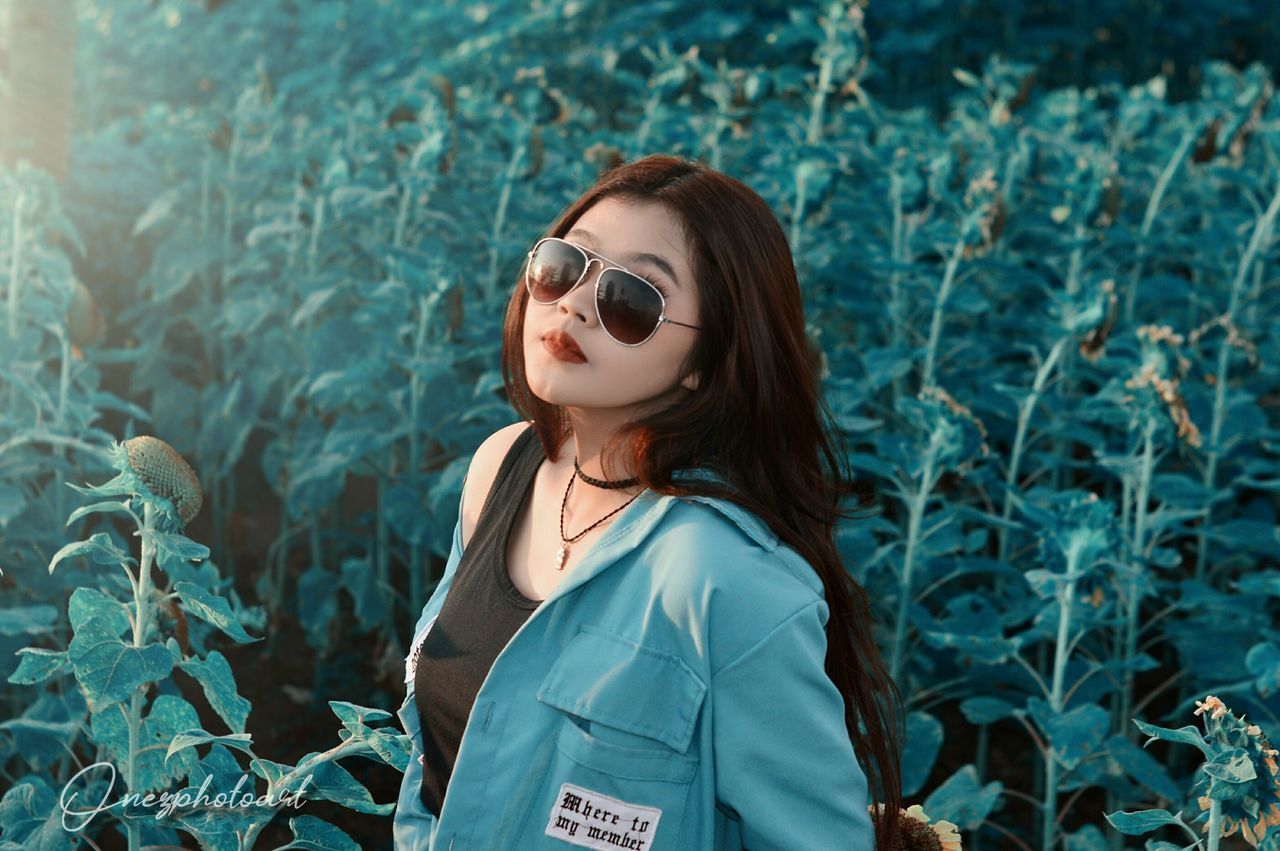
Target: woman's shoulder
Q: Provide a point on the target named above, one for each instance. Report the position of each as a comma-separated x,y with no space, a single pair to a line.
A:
727,574
712,525
483,469
731,549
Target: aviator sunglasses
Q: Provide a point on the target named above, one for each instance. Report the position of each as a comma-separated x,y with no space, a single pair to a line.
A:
630,308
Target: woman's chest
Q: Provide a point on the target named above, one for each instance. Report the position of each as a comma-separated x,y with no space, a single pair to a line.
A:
537,558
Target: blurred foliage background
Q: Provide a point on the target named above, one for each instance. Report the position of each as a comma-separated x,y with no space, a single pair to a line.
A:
1036,242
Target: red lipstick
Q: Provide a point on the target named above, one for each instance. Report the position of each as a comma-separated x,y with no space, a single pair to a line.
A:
563,347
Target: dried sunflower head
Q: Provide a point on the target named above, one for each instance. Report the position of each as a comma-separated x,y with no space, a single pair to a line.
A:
915,833
158,474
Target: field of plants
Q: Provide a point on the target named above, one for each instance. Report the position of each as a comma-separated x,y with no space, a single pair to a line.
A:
250,339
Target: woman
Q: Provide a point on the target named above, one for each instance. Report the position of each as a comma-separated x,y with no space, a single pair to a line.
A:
651,641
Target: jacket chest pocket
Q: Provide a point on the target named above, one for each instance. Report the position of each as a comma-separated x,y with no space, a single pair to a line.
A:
622,766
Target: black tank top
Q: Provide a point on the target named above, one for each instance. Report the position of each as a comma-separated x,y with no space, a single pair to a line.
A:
482,611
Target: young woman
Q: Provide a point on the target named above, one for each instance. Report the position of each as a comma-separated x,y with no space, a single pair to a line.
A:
644,636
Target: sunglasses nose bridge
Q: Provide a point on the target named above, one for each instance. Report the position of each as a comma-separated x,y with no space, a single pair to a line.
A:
583,279
586,283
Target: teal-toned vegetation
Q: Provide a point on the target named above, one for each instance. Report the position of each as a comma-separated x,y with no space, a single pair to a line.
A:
1050,325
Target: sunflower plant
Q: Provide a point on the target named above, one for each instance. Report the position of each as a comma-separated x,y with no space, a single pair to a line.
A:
1236,787
119,650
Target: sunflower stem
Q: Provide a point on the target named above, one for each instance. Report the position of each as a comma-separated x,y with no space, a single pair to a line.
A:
15,265
1130,625
1215,823
903,228
1019,445
1066,593
142,607
1025,412
1261,234
1153,206
420,342
914,523
940,303
500,215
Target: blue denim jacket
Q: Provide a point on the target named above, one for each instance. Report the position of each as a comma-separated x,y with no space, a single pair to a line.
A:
670,694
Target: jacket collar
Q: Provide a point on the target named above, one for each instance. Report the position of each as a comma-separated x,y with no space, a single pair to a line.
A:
753,526
635,522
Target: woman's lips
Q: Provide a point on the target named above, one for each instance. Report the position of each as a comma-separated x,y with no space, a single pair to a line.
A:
555,344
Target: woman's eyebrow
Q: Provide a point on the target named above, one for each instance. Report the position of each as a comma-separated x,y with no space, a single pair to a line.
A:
640,257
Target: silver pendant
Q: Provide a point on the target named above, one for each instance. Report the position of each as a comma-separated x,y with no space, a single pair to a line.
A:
561,555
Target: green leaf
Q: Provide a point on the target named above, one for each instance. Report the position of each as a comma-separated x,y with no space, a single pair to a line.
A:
88,603
38,665
157,211
317,596
333,782
1140,821
60,731
361,581
108,669
873,464
962,801
212,609
12,503
1078,733
27,620
99,545
312,305
985,710
168,717
32,818
1142,767
316,834
920,750
180,546
1263,662
1187,735
121,485
216,678
985,649
272,772
99,507
191,738
1233,766
350,713
391,747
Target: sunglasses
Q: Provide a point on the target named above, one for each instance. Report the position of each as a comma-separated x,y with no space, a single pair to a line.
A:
630,308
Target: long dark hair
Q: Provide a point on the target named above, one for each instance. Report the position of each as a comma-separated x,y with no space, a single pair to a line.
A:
757,418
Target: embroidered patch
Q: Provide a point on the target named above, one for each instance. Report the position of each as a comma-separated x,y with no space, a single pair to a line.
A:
411,661
583,817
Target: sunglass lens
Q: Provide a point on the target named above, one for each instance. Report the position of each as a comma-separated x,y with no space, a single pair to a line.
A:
554,268
629,306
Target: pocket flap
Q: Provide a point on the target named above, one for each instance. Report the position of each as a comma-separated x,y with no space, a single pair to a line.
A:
607,678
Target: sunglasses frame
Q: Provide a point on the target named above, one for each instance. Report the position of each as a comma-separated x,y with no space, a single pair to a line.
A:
606,264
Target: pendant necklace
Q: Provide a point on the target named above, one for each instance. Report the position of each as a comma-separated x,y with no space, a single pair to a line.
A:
562,554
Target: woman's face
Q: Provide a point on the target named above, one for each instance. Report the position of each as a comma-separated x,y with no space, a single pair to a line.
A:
616,376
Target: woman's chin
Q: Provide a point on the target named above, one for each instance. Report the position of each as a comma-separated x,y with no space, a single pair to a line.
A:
555,389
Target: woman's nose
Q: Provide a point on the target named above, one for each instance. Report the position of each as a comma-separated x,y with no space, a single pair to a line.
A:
582,296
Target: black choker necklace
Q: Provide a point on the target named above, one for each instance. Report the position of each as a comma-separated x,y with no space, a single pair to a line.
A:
600,483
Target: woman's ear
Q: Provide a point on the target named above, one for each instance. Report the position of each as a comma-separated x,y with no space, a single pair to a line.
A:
690,381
